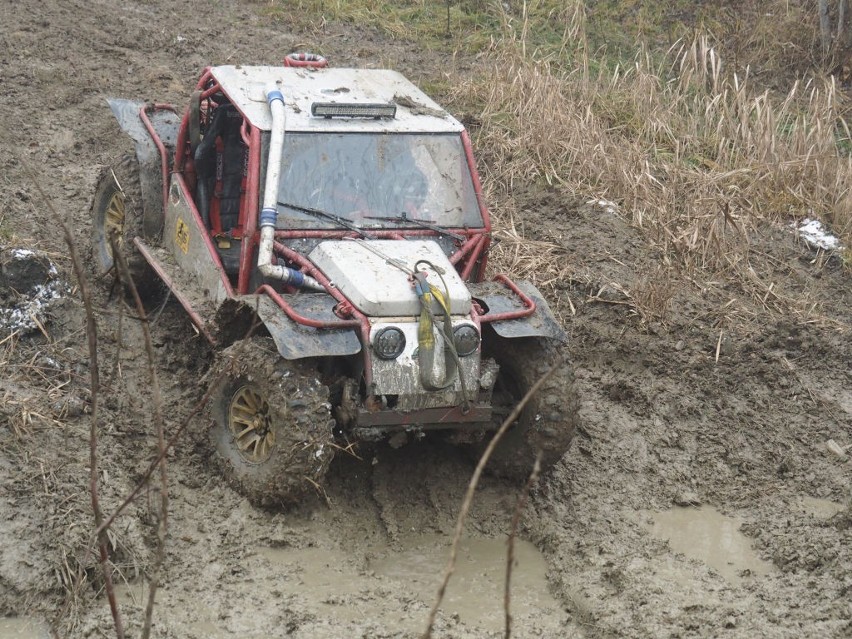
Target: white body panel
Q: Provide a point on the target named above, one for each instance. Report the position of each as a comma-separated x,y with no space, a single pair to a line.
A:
301,87
379,289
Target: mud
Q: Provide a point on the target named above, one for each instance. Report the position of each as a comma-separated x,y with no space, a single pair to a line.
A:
662,415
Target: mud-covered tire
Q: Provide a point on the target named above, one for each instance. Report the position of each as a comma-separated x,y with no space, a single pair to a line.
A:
118,204
547,422
298,419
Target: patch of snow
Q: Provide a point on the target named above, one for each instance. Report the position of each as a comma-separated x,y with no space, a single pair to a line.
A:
815,235
51,362
606,205
20,253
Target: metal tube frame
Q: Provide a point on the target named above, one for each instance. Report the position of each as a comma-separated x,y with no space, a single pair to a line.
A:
472,255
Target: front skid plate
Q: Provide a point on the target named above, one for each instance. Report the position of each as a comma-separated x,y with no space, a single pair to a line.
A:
424,419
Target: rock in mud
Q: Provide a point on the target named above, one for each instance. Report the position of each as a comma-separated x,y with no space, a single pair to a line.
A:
22,271
687,498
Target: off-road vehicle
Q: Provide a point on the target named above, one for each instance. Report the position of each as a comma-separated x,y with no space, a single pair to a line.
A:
340,211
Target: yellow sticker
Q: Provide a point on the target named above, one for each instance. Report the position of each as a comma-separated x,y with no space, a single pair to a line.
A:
182,235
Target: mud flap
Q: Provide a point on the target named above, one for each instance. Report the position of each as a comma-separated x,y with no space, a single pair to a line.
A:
499,299
295,341
166,126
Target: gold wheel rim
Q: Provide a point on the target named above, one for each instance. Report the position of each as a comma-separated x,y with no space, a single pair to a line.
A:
251,425
114,220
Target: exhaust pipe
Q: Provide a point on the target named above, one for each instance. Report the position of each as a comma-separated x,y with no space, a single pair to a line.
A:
269,212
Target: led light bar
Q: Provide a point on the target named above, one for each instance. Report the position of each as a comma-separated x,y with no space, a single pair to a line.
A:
353,110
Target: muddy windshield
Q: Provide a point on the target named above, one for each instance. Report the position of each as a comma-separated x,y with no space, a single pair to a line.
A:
373,180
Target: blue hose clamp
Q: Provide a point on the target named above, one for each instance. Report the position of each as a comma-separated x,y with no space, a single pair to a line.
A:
268,217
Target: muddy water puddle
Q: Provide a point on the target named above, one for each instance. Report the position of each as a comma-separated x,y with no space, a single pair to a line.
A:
476,592
410,574
369,585
22,628
707,535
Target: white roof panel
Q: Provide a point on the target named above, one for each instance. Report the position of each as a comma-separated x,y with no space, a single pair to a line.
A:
415,113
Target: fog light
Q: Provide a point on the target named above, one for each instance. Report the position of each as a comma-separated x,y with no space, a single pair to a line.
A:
467,339
389,342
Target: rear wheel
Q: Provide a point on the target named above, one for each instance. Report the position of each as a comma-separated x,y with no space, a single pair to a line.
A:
272,424
117,208
548,420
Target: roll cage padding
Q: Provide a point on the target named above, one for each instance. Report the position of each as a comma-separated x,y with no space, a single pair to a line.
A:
219,165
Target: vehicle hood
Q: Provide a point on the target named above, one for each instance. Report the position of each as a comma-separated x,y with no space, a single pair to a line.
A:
369,274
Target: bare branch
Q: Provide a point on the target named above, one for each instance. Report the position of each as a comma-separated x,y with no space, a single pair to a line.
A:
471,489
162,527
92,334
510,542
824,26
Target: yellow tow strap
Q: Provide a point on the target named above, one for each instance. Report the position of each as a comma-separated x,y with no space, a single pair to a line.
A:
426,329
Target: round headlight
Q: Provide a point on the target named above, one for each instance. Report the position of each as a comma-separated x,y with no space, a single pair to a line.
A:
467,339
389,342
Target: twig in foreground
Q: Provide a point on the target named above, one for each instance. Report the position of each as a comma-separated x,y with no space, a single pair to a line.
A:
214,383
146,476
92,332
510,542
471,489
162,526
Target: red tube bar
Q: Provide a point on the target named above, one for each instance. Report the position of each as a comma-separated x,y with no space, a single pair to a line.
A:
320,277
380,233
164,158
193,315
301,319
528,303
249,220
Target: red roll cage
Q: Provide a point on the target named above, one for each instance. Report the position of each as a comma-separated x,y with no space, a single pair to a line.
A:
469,258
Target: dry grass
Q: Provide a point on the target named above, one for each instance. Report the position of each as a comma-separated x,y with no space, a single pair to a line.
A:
696,153
43,369
695,157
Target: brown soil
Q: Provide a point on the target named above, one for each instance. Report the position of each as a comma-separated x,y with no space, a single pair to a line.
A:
712,400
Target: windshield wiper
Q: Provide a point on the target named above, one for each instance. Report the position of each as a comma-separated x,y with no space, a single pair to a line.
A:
402,217
340,221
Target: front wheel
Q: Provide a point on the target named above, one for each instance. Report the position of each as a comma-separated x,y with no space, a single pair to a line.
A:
547,422
272,424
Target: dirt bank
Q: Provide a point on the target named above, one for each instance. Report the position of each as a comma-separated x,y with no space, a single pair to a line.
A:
715,400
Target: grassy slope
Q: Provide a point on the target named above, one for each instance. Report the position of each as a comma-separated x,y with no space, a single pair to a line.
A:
690,117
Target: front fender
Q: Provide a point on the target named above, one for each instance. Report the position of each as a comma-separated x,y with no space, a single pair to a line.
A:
293,340
165,124
499,299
